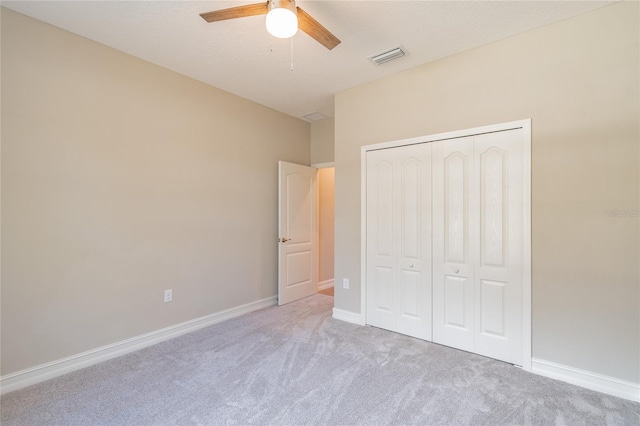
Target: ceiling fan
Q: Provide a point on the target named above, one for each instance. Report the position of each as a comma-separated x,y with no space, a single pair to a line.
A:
283,20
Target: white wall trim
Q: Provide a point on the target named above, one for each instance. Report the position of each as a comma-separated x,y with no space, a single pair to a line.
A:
324,165
526,247
363,233
323,285
587,379
348,316
40,373
500,127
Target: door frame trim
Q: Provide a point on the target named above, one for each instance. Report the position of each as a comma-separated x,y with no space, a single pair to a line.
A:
319,166
525,125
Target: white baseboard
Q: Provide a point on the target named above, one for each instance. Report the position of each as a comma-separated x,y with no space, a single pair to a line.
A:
348,316
323,285
587,379
47,371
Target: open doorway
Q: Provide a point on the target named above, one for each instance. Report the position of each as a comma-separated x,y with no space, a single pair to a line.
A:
326,184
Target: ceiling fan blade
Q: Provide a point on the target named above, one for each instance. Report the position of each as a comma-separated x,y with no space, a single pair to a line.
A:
236,12
312,27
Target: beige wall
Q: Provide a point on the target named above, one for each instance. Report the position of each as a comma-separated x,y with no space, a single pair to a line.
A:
322,141
121,179
578,80
325,197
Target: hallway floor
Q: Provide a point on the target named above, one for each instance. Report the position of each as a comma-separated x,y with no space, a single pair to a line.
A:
327,291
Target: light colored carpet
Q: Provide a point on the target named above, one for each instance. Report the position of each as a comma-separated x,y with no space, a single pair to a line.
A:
295,365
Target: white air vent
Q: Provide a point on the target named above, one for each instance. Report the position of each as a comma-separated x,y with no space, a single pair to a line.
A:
387,56
314,116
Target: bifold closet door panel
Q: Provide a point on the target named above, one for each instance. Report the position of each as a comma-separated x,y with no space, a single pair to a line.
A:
381,250
498,279
413,220
399,240
454,216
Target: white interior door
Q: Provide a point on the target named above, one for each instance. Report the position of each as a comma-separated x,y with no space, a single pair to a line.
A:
399,240
297,258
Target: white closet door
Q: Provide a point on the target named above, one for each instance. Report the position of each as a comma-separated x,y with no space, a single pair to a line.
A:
398,240
453,268
498,177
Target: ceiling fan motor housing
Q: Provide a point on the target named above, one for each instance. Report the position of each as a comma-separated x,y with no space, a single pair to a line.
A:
283,4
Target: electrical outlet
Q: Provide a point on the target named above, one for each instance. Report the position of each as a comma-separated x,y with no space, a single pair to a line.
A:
345,283
168,295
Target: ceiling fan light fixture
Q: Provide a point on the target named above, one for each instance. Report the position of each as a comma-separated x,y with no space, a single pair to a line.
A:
282,18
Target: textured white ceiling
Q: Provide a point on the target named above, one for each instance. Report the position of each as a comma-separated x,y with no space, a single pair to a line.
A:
239,56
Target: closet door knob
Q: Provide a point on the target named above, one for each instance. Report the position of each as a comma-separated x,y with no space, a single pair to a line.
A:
411,265
456,270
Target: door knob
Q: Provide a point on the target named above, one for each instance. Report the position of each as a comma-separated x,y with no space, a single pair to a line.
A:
284,240
456,270
411,265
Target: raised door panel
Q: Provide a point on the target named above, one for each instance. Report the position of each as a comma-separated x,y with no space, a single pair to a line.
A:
299,206
493,308
410,306
453,291
498,280
298,268
382,280
493,203
456,306
382,198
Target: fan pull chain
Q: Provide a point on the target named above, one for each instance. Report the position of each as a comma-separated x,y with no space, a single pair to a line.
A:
291,38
